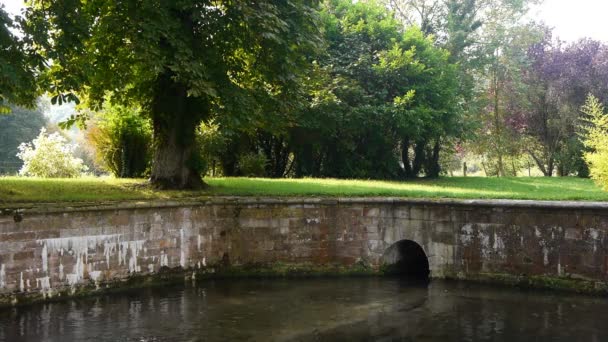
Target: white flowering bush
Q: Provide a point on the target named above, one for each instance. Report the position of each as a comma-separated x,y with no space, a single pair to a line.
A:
50,156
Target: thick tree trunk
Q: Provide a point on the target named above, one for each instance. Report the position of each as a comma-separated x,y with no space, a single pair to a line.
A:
419,157
175,117
172,167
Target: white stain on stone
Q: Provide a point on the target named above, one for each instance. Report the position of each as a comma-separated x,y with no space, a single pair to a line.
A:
537,232
78,272
79,248
164,260
157,218
134,247
95,275
466,234
2,276
499,245
199,241
45,260
182,253
77,244
594,234
109,248
545,256
21,285
484,239
44,285
151,268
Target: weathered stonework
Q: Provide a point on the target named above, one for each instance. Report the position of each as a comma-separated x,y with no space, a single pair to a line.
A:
46,252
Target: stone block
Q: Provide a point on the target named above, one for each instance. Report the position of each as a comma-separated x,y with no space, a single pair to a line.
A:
419,213
371,212
573,234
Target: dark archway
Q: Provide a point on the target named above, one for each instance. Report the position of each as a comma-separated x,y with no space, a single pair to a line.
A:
406,258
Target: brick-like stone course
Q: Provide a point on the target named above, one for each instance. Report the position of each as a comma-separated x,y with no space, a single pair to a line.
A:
49,250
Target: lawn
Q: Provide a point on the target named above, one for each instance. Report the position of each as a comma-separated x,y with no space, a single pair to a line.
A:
20,190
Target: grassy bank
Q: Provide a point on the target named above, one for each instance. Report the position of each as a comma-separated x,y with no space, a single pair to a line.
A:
15,189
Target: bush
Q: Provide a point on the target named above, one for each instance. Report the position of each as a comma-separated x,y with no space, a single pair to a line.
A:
252,165
50,156
122,138
595,138
212,144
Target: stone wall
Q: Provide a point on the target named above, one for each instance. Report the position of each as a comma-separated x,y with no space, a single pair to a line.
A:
49,252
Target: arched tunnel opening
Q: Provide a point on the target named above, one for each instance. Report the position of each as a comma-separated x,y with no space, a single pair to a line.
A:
406,258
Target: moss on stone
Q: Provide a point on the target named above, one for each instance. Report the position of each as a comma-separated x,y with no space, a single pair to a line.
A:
568,284
285,270
170,276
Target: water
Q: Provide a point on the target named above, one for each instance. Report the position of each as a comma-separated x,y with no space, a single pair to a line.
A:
349,309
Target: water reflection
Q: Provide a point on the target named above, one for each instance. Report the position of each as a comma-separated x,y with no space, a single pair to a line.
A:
350,309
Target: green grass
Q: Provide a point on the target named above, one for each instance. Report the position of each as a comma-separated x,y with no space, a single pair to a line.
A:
20,190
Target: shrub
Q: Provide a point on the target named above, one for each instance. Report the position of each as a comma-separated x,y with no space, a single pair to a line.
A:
595,138
252,165
49,156
212,143
122,138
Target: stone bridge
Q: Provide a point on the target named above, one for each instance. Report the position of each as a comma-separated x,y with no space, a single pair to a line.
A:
55,251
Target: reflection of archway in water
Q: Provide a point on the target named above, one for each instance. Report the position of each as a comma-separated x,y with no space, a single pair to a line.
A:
406,258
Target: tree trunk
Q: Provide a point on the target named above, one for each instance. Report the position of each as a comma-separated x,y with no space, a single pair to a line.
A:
550,168
419,157
405,157
501,167
172,167
434,167
175,117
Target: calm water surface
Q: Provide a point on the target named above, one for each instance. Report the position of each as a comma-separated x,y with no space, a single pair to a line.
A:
351,309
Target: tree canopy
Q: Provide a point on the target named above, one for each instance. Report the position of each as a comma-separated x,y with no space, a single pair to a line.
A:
183,61
385,89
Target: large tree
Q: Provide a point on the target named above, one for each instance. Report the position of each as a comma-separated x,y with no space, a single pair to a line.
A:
383,98
183,61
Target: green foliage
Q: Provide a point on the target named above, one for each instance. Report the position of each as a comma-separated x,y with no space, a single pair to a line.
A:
183,62
596,140
49,156
20,125
18,67
121,138
252,165
212,143
376,92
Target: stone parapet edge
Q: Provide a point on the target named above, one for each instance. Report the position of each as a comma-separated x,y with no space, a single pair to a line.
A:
45,208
